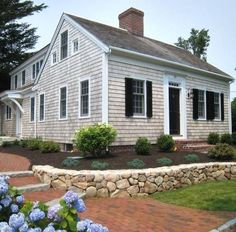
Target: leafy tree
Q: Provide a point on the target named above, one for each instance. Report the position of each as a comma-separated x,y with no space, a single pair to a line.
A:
16,37
197,43
233,112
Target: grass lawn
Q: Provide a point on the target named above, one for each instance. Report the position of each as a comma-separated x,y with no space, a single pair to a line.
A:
215,196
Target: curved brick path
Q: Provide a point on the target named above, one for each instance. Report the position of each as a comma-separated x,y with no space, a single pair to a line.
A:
139,215
10,162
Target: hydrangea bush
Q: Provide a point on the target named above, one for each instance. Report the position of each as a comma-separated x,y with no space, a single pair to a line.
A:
18,215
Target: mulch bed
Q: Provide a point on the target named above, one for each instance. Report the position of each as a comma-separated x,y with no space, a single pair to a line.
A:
116,160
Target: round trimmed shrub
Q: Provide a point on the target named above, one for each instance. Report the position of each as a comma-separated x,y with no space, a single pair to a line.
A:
164,161
68,162
97,165
142,146
222,151
49,147
213,138
34,143
165,143
225,138
136,164
95,139
191,158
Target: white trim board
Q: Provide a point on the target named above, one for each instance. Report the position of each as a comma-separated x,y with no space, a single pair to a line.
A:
105,116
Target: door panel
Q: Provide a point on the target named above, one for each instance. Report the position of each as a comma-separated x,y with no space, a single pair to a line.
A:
174,111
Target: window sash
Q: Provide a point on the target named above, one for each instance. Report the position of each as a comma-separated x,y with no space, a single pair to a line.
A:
75,46
16,80
217,105
41,107
64,45
23,78
8,112
201,104
63,102
33,71
138,97
54,57
84,98
32,109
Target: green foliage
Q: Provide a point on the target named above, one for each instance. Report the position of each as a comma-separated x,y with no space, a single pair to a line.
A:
197,43
97,165
6,144
165,142
222,151
191,158
233,138
16,142
233,110
164,161
95,139
34,143
24,142
136,164
225,138
16,36
213,138
68,162
49,147
142,146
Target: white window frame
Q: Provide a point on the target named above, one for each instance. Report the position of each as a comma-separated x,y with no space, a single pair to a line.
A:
23,71
33,73
59,113
8,113
52,61
30,119
68,42
43,107
145,97
73,46
205,105
218,119
16,81
89,97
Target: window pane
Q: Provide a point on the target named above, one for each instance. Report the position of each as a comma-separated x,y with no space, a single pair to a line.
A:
33,71
138,97
63,99
23,78
16,80
217,105
32,109
201,104
84,98
64,45
41,108
75,45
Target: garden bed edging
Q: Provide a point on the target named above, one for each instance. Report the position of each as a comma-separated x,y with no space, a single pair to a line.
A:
134,182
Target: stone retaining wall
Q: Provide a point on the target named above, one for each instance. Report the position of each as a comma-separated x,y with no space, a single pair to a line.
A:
125,183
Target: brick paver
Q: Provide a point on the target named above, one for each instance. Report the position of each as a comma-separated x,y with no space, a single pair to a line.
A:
10,162
139,215
19,181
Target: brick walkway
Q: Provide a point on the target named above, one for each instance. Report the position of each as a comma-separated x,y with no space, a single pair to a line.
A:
9,162
147,215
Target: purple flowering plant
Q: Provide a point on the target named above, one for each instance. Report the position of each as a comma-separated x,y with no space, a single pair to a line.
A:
16,214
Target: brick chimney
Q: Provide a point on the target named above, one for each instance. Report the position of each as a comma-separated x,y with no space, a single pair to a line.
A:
132,20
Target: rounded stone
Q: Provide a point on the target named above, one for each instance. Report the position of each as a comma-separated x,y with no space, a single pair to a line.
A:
112,177
103,192
98,178
120,194
159,180
111,186
91,192
122,184
133,190
150,187
142,178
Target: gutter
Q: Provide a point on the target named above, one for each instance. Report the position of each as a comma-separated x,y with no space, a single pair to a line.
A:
169,63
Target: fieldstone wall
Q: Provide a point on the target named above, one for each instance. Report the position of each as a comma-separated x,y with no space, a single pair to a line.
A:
140,182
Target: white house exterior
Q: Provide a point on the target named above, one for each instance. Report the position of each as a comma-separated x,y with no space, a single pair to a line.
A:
93,73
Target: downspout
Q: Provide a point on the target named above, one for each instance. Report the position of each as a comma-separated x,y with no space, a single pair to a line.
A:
35,114
230,111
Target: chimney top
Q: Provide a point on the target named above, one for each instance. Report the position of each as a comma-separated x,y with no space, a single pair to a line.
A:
132,20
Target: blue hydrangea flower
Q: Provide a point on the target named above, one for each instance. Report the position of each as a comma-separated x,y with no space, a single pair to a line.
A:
14,208
80,206
97,228
34,230
4,178
52,212
6,201
36,215
3,188
16,220
4,227
70,197
49,228
20,199
24,227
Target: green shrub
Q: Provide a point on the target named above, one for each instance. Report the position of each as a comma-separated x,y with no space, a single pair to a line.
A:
191,158
213,138
49,147
164,161
34,143
97,165
6,144
225,138
16,142
222,151
233,138
24,142
68,162
142,146
165,143
95,139
136,163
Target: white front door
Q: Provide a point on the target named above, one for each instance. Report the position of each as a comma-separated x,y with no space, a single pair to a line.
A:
18,123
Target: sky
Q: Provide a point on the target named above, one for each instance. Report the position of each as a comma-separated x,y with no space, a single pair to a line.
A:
164,20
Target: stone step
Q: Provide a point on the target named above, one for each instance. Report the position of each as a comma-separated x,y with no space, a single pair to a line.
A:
19,181
40,187
17,173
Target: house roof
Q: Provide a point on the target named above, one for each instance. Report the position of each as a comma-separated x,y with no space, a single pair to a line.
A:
120,38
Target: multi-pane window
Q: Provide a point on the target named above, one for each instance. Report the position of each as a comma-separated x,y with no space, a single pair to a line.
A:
8,112
16,82
75,45
64,45
138,97
32,109
23,78
201,104
84,98
217,105
36,68
63,102
54,57
34,71
41,107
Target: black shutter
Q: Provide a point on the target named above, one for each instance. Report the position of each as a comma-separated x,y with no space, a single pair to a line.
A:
149,99
210,105
222,107
128,97
195,104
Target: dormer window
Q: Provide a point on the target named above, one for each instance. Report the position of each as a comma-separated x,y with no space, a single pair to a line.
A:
75,45
54,57
64,45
